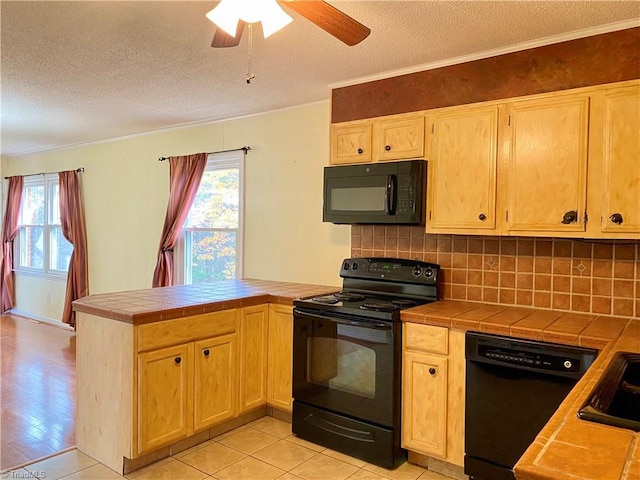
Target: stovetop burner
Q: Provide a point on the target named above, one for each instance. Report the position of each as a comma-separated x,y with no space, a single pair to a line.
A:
404,302
349,297
326,299
379,306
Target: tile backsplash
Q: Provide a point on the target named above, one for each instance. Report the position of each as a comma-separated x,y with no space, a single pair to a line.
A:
589,276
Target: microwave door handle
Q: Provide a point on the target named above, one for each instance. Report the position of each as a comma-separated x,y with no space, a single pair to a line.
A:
390,195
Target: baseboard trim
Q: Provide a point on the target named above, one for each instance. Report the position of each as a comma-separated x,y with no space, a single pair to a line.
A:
39,318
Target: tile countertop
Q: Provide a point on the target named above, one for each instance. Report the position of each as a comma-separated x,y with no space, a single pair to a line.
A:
567,447
164,303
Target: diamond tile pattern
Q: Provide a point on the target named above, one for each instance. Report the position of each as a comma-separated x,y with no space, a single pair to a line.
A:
549,273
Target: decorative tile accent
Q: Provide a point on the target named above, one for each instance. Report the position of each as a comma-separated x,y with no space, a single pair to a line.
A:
550,273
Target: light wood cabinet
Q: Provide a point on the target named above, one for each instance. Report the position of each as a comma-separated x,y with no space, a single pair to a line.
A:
253,332
351,143
462,164
215,392
620,212
396,137
188,387
425,405
557,164
547,164
165,379
280,357
145,387
433,392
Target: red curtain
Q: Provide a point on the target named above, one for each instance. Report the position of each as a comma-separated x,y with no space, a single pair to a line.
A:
9,231
74,230
184,179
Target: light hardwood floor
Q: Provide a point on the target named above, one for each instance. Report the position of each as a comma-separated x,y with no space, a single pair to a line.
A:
37,390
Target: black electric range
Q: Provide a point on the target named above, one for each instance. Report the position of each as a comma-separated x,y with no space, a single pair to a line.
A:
347,357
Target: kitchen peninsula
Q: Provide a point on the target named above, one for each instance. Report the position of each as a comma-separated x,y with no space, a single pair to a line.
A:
158,368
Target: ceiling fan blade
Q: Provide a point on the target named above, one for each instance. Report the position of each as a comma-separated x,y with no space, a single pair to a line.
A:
222,39
330,19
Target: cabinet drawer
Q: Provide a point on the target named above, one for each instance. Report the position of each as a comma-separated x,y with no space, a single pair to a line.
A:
186,329
426,338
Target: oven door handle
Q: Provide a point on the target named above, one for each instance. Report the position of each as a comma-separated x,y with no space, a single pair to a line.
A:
343,321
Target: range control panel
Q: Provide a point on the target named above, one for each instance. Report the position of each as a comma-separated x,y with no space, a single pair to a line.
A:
390,269
530,359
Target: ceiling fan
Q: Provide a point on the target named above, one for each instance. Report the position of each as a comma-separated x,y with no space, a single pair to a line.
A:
231,16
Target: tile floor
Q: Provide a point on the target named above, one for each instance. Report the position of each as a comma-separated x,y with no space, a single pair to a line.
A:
37,390
261,450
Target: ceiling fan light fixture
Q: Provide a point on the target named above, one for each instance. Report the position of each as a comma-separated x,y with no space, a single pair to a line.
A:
228,12
226,16
273,18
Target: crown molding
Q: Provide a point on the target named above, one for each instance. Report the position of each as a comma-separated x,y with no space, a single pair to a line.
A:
540,42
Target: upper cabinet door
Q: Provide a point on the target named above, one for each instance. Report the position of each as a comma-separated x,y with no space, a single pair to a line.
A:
399,138
621,155
350,143
546,173
462,170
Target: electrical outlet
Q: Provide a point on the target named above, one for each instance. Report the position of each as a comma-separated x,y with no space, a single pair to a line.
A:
47,297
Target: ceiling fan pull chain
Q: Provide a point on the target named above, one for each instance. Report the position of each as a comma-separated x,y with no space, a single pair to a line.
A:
250,76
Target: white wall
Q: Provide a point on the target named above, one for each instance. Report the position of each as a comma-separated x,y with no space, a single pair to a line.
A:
126,192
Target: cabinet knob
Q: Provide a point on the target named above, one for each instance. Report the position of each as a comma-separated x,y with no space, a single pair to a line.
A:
360,151
432,371
570,217
387,147
206,352
482,217
177,360
616,218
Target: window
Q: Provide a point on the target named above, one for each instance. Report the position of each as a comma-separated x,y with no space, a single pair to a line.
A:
211,239
40,246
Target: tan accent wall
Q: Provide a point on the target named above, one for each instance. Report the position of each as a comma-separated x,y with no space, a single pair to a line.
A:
606,58
547,273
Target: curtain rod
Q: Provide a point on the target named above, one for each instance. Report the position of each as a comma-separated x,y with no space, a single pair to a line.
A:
245,149
81,169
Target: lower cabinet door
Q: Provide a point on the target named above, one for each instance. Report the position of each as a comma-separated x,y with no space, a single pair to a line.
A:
164,396
215,381
253,340
280,357
424,408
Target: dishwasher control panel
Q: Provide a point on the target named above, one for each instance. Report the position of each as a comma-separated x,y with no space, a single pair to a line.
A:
525,358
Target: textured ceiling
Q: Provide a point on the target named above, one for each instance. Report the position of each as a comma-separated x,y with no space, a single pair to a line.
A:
85,71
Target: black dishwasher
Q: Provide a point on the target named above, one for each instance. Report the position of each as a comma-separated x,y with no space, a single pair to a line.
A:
513,386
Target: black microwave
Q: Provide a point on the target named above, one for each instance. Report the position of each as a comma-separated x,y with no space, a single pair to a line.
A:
376,193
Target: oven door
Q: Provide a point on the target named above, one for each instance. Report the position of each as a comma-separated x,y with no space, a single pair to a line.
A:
346,365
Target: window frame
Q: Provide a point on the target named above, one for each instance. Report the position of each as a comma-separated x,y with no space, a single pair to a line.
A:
48,181
215,161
